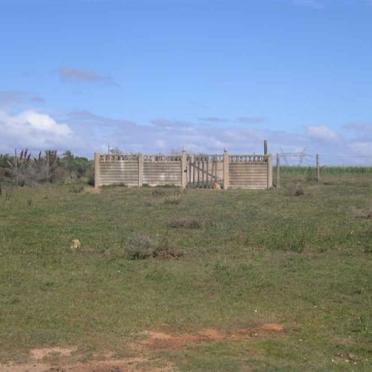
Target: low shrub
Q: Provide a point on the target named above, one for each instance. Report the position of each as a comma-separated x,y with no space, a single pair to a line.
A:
140,247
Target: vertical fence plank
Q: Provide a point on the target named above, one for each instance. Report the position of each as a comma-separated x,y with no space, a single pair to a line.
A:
140,170
189,170
207,166
226,175
277,171
198,175
193,170
183,169
269,172
97,171
203,171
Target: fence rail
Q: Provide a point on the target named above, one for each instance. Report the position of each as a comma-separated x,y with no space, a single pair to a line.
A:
201,170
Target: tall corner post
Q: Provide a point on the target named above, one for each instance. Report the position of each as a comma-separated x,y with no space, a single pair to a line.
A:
97,171
269,171
226,174
140,170
183,169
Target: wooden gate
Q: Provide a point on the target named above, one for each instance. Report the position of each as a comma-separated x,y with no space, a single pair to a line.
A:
204,171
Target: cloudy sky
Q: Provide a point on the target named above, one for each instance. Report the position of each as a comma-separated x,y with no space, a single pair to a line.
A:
201,75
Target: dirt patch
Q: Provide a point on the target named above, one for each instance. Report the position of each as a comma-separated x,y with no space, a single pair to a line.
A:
112,365
211,334
166,341
39,354
63,359
121,365
272,327
361,213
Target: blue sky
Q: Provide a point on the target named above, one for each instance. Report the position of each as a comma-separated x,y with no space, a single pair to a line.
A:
162,75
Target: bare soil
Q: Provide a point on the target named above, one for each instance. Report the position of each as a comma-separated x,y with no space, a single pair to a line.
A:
58,359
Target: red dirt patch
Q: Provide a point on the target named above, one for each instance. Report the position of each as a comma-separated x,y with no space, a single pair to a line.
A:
166,341
39,354
211,334
58,359
113,365
160,340
272,327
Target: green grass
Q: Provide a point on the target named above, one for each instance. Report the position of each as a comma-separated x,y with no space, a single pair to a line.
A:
257,257
325,170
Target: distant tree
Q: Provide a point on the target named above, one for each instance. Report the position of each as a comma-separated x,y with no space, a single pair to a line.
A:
115,151
76,165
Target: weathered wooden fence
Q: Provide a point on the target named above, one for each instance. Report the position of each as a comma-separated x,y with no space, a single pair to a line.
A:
228,171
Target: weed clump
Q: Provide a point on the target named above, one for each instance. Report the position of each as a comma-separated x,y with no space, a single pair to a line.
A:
185,223
141,247
166,251
76,189
158,193
296,190
173,200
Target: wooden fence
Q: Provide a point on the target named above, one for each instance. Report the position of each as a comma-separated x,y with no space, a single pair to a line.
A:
228,171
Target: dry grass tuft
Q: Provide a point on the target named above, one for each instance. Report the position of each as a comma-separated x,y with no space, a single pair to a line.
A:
185,223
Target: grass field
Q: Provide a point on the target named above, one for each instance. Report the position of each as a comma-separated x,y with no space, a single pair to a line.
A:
245,280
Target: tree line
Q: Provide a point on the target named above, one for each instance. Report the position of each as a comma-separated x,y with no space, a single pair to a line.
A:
24,168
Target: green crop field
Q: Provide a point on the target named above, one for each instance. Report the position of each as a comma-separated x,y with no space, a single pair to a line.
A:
200,280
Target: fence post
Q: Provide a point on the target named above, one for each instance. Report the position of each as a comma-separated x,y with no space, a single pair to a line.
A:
269,172
277,171
226,175
317,168
140,170
97,171
184,170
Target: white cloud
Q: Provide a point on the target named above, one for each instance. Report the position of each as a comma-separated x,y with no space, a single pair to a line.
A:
84,132
322,133
12,98
42,123
33,130
73,74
